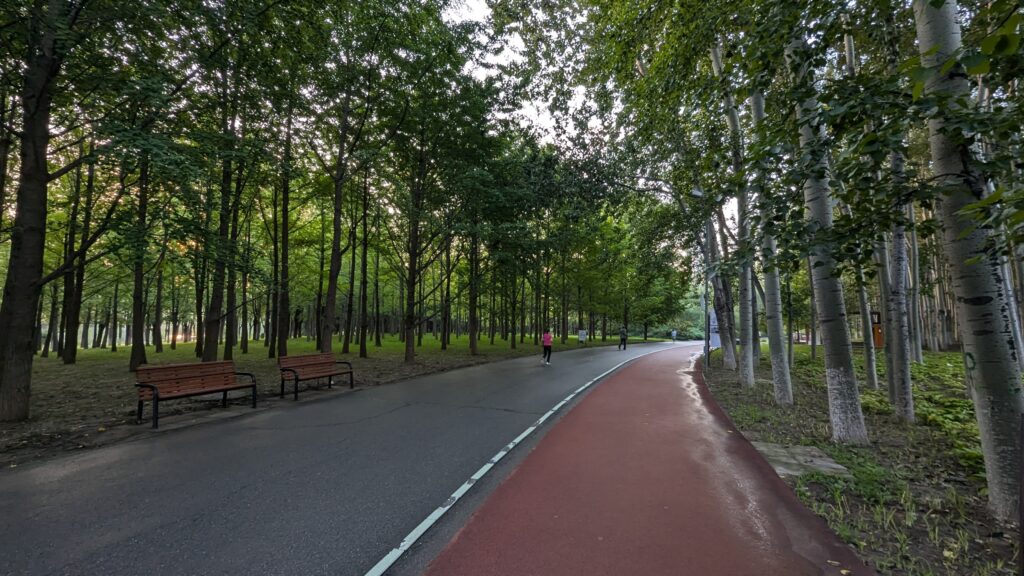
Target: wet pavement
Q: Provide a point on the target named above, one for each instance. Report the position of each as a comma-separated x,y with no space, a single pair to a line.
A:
646,476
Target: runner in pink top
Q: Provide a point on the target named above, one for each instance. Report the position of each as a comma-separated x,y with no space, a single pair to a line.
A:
546,341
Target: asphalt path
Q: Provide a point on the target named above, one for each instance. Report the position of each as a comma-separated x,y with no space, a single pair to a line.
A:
324,487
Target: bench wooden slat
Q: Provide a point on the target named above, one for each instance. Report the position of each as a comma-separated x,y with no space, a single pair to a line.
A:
305,360
168,381
192,386
311,367
159,373
320,371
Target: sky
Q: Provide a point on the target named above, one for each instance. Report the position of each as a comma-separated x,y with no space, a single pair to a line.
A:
533,113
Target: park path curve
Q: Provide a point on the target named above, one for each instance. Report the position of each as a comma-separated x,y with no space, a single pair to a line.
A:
646,476
315,487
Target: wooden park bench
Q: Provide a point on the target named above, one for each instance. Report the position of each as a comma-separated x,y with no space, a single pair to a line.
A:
169,381
312,367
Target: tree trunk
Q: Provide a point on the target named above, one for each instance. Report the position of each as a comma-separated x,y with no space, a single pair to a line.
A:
221,246
350,295
901,347
5,151
321,259
51,322
158,311
72,291
844,402
284,280
377,327
870,362
722,298
22,287
446,295
413,248
272,321
990,359
138,354
885,291
113,317
914,290
364,318
244,344
474,288
101,340
339,177
746,353
782,384
199,279
903,395
231,313
814,312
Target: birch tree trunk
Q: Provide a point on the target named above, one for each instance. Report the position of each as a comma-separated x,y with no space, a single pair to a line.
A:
783,385
990,359
900,349
843,399
870,361
914,296
721,302
746,353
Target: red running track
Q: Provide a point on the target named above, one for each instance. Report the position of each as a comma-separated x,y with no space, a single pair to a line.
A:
646,476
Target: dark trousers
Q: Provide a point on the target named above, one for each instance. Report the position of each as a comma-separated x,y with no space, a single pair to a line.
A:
547,353
622,343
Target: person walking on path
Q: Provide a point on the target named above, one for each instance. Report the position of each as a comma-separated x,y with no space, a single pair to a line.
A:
673,334
546,341
622,338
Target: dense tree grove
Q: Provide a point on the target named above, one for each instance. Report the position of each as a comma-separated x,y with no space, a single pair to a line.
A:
830,158
235,174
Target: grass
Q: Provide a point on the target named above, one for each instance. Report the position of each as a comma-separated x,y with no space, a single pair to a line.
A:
915,504
74,405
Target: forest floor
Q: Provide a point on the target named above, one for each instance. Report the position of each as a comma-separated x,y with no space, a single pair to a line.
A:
915,504
92,402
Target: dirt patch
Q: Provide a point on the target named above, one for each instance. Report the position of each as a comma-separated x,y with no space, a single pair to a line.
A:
915,504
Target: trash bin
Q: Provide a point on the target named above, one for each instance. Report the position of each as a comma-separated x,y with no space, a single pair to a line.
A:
876,330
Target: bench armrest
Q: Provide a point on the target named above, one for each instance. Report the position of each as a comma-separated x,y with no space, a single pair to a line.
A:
154,389
349,364
247,375
292,371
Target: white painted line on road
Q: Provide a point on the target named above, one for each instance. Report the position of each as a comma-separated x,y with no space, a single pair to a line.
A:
391,557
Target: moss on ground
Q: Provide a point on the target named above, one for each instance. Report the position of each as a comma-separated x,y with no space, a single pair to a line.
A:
915,504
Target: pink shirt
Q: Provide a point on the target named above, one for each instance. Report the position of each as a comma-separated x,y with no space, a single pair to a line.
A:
546,339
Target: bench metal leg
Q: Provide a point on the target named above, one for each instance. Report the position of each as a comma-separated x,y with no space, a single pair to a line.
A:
282,387
351,382
224,400
156,413
254,396
330,382
138,413
296,389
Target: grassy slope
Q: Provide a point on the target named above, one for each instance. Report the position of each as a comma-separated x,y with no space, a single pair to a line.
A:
916,504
